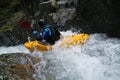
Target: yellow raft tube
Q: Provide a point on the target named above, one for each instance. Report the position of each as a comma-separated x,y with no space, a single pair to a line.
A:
77,39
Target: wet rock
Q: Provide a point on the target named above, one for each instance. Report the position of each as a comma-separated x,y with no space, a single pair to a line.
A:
11,33
17,66
12,38
98,16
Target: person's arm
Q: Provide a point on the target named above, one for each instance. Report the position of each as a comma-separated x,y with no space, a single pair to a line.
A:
37,35
46,32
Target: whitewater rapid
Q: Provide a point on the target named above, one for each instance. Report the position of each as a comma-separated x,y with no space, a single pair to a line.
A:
98,59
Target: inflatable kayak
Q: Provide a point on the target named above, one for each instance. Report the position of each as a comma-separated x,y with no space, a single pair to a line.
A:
77,39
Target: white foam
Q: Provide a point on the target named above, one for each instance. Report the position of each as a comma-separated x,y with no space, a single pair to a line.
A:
13,49
98,59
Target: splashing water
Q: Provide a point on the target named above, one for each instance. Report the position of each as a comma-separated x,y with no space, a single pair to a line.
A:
98,59
13,49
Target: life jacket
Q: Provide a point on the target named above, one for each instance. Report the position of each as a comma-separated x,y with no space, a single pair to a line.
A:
47,32
50,35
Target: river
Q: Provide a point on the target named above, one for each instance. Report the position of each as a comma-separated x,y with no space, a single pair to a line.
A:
98,59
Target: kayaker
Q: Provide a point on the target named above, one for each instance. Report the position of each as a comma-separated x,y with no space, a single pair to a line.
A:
48,35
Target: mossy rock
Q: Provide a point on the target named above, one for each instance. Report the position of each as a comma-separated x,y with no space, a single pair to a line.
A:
13,21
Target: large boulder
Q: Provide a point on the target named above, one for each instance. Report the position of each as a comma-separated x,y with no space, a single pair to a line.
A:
17,66
98,16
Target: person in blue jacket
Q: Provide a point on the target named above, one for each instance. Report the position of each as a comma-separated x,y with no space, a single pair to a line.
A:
48,34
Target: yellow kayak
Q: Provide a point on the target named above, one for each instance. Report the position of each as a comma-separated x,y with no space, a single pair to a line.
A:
77,39
35,45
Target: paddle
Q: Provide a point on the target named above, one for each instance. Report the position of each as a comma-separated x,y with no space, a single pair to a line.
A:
25,24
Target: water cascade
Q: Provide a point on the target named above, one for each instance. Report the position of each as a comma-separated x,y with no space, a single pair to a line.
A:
98,59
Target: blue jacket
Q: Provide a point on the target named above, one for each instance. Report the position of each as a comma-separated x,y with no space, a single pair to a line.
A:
47,32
